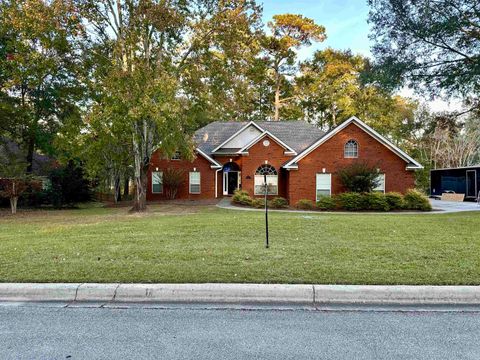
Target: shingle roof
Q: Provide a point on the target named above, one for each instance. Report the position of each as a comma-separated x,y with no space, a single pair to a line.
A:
296,134
41,164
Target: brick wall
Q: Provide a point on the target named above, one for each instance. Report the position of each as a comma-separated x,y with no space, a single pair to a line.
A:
202,165
258,153
329,155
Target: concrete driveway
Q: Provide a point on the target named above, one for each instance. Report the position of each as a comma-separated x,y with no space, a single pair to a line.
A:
453,206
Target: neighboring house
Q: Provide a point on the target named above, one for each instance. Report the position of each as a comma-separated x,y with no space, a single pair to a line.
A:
300,161
41,164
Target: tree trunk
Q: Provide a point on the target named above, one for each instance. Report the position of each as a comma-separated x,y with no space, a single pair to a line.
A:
30,151
140,203
277,99
13,204
140,176
126,187
118,194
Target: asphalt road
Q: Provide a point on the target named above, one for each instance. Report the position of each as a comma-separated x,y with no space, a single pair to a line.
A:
36,331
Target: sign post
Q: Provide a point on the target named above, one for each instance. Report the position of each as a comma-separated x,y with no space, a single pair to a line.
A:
266,211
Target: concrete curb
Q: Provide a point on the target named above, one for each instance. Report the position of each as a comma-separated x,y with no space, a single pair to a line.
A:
311,295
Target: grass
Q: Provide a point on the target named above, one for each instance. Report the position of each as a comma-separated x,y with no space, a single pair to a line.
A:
206,244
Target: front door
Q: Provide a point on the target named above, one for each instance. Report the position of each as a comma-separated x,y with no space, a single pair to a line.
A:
232,182
471,183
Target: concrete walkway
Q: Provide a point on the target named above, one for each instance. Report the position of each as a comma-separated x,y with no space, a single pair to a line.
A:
453,206
439,207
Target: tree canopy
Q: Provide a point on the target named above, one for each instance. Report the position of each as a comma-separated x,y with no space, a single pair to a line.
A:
431,45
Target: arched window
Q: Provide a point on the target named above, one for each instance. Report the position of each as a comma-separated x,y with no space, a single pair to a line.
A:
272,180
351,149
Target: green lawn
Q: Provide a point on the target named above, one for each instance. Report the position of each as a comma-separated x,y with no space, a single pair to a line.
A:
207,244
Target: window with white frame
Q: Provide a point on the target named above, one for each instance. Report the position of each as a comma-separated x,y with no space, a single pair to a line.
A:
351,149
324,185
157,182
194,181
272,180
380,183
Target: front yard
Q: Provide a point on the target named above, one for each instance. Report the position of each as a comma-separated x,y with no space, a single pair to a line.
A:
174,243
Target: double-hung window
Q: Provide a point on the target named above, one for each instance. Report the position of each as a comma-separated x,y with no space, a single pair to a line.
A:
380,184
324,185
157,182
194,182
272,180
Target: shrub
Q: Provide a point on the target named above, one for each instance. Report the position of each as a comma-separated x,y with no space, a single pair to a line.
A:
258,203
278,203
68,186
305,204
394,200
376,201
414,200
351,201
326,203
359,177
241,197
172,181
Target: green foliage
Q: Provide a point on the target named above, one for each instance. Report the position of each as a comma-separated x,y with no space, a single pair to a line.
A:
241,197
429,44
68,186
305,204
172,181
258,203
289,32
394,200
359,177
415,200
278,203
375,202
351,201
326,203
39,61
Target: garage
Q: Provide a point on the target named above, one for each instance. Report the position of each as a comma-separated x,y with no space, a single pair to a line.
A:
462,180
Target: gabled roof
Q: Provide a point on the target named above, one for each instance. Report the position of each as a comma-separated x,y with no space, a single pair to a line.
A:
297,135
251,123
213,162
288,149
411,163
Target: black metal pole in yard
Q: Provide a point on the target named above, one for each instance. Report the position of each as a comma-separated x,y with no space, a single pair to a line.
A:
266,211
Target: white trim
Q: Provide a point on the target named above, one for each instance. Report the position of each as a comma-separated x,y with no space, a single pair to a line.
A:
351,141
216,182
459,168
161,177
238,132
255,193
316,184
216,165
364,127
276,139
225,181
199,182
384,184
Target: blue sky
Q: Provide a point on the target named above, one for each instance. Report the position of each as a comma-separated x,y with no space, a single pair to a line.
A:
345,21
346,26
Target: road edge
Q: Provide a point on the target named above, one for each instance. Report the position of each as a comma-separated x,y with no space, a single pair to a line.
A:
312,295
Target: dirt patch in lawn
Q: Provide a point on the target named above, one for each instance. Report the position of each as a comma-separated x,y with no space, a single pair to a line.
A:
103,212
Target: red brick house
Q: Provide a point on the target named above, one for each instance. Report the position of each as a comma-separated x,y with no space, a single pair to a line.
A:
300,161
